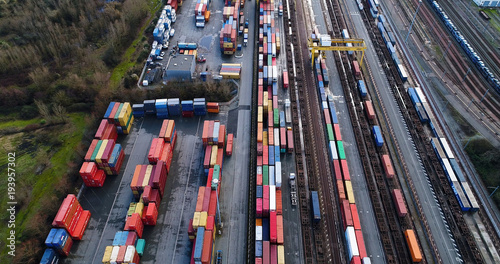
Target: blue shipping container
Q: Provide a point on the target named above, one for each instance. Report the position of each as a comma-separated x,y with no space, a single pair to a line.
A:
333,115
60,239
362,88
315,206
258,249
271,155
413,96
50,256
174,107
457,170
50,237
276,154
108,111
259,191
379,140
199,243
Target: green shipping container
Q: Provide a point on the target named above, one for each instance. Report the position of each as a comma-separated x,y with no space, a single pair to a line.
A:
118,113
340,147
276,117
265,175
141,244
329,129
215,176
269,61
96,150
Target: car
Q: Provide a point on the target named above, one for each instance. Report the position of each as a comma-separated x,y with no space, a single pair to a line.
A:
172,32
201,59
159,57
162,53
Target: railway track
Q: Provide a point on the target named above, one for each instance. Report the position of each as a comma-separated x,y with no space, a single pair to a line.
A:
320,240
444,193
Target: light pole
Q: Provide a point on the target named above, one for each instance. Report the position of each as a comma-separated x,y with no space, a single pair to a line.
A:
413,21
484,95
466,74
493,190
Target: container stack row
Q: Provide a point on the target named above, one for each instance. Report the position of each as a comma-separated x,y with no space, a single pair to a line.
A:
120,115
350,219
201,12
228,33
165,108
68,225
163,28
272,137
202,227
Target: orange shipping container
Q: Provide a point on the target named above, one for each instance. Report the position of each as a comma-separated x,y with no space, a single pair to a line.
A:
389,170
259,132
204,136
279,203
411,239
163,128
220,157
222,136
279,225
206,253
270,136
340,188
199,201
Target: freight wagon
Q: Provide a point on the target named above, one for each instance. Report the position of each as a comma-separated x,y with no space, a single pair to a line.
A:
356,69
411,240
377,134
285,79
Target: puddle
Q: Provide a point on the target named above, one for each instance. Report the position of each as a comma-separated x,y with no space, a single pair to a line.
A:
205,42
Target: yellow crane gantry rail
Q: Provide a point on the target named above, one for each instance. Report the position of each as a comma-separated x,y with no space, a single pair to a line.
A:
359,47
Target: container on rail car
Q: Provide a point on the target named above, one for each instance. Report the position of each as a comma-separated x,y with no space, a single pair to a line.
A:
377,134
413,96
370,113
316,213
337,169
446,148
356,69
352,245
388,168
411,240
474,206
361,244
422,114
362,88
346,214
399,202
289,139
333,151
285,79
461,197
457,170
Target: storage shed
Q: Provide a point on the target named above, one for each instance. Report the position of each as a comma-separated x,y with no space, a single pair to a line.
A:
180,67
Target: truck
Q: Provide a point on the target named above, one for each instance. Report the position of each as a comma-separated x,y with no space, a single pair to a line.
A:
245,37
293,189
200,21
280,9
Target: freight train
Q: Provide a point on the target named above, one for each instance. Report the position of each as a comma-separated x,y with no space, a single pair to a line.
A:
455,176
478,62
390,43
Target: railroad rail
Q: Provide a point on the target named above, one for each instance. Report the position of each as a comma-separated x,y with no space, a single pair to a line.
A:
444,193
321,242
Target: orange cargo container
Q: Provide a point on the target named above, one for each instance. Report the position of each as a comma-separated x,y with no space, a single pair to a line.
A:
199,201
270,136
206,253
279,224
164,128
222,136
213,107
204,136
259,132
341,190
220,157
279,203
369,110
416,254
207,16
229,145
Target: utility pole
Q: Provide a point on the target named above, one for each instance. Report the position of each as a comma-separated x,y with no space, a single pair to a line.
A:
413,21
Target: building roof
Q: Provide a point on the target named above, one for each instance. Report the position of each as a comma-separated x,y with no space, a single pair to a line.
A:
180,62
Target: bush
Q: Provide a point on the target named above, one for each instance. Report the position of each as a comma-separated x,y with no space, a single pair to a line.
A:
143,55
79,107
110,57
28,112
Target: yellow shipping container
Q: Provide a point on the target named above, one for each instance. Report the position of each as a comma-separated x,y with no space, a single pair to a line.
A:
124,114
260,114
227,52
149,169
127,129
270,106
139,207
196,220
265,102
349,192
203,219
258,221
213,157
231,64
98,157
228,45
230,75
108,171
107,255
281,254
264,138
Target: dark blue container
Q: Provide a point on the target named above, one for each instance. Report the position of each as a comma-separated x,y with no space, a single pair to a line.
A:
265,229
271,155
50,256
149,106
259,191
60,239
174,106
379,140
187,105
315,207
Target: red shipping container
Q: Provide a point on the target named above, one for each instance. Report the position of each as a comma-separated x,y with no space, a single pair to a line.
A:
369,110
326,113
345,170
260,94
265,155
270,136
67,247
270,119
158,150
111,117
210,132
361,244
131,239
356,260
279,230
135,178
107,152
210,223
275,102
259,211
212,207
346,214
273,233
266,252
387,164
274,254
206,253
355,217
66,210
121,254
134,223
258,260
159,174
167,156
201,196
152,150
208,153
81,225
222,136
336,168
209,178
279,202
259,179
91,149
191,230
110,132
265,200
163,128
220,157
204,135
259,148
206,201
399,202
192,252
151,215
146,193
336,131
141,177
101,129
259,160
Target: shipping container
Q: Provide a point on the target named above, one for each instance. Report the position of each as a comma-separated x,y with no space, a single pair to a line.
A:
316,213
377,134
388,168
356,70
341,189
336,130
200,236
340,147
413,246
370,113
345,170
349,192
337,169
346,214
355,217
361,244
362,88
352,245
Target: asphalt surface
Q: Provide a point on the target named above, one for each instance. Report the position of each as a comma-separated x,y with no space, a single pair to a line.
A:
363,201
430,206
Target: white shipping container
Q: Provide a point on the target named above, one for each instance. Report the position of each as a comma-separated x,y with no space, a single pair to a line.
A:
366,260
421,95
259,170
269,72
271,175
274,50
276,137
352,245
272,198
333,150
129,254
216,132
275,68
324,104
449,170
258,233
446,148
277,174
114,254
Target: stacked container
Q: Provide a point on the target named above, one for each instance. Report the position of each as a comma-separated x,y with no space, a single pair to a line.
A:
72,217
213,108
199,107
161,108
138,110
120,114
50,256
227,36
150,107
107,155
106,130
230,70
187,108
174,107
60,241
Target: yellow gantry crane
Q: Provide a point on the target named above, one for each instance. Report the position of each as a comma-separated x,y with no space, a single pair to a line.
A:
331,44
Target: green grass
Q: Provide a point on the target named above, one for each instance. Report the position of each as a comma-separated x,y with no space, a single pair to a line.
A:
36,187
127,60
19,123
